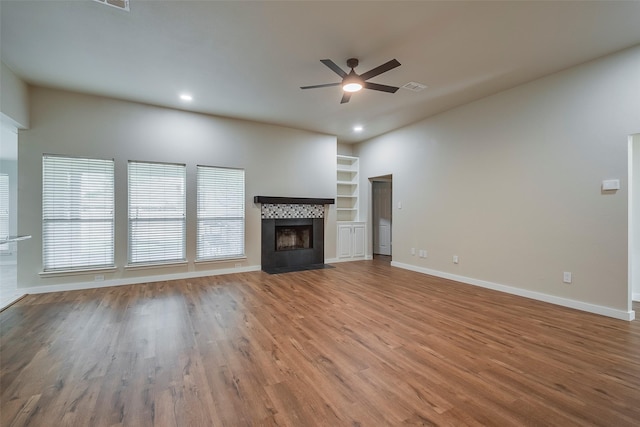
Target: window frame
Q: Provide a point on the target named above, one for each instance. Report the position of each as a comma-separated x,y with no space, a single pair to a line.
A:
49,218
131,263
200,257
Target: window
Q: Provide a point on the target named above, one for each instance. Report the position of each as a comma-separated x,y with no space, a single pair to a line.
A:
77,213
4,206
220,213
157,209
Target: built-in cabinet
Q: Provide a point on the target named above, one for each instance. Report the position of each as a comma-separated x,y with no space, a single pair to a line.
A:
347,188
351,232
351,240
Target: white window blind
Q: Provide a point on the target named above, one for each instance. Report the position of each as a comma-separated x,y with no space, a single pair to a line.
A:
4,206
77,213
157,211
220,213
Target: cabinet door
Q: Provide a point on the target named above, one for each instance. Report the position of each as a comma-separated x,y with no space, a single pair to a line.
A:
359,238
344,241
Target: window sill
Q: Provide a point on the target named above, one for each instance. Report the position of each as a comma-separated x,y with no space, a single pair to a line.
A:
158,265
219,260
58,273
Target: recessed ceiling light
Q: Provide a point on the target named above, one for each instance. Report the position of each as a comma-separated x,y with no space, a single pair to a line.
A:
357,128
186,97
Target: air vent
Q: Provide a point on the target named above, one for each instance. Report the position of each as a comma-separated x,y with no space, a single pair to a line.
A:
414,87
120,4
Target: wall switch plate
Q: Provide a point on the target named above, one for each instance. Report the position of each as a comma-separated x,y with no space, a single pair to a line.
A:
566,277
456,259
610,184
399,205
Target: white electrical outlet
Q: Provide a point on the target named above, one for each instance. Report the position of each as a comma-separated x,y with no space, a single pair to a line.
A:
238,265
567,277
98,278
456,259
413,251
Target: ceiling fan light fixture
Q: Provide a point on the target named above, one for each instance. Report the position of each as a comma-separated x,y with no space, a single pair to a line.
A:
352,82
352,87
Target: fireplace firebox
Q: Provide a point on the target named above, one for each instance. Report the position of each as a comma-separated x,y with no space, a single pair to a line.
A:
292,242
294,237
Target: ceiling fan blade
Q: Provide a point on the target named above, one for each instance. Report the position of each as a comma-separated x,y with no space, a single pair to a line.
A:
345,98
381,69
339,71
382,88
317,86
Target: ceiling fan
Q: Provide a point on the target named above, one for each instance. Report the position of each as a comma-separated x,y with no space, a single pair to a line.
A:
353,82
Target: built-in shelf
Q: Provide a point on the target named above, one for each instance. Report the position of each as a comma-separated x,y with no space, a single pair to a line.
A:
347,177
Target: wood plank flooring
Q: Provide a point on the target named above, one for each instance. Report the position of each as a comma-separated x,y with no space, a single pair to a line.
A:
363,344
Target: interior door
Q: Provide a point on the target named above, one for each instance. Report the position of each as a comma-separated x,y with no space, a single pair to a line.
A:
381,217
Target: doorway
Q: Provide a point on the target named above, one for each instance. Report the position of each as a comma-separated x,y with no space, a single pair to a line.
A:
8,212
381,215
634,217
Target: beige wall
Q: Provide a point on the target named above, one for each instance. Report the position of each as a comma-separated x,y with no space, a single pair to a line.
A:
278,162
14,102
345,149
512,184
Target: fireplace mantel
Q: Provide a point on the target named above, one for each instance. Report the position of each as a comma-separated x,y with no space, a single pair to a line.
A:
292,200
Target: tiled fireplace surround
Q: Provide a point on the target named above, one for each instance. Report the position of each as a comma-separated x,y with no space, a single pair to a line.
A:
290,218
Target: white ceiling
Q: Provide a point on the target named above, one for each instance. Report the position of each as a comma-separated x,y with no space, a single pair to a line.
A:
248,59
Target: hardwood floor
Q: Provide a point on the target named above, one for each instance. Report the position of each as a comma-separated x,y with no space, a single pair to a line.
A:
363,344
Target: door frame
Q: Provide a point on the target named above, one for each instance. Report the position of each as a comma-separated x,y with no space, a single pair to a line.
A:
633,219
382,178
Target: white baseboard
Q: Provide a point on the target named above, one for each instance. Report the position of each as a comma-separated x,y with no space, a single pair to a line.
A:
11,300
335,260
565,302
134,280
